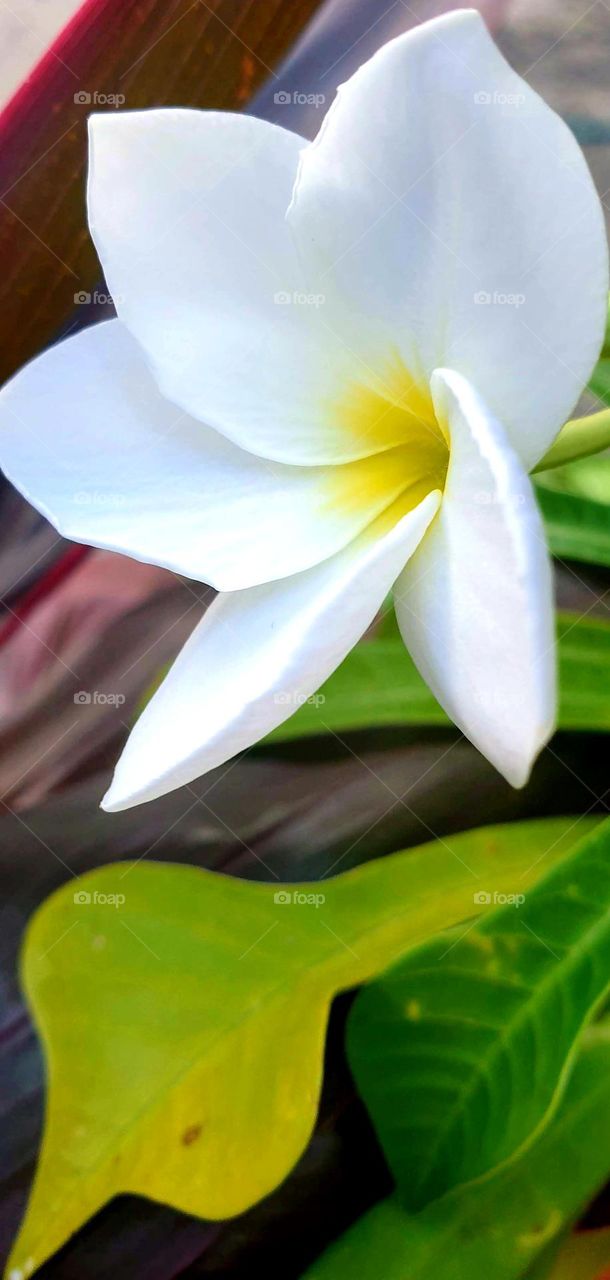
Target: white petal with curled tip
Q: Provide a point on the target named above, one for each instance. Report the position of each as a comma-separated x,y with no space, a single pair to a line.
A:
88,438
450,213
255,656
475,604
188,213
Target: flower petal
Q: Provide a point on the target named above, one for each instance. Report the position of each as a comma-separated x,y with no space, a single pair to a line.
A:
255,656
88,438
452,214
475,604
187,210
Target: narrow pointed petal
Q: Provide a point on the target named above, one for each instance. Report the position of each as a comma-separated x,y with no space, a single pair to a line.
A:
256,656
88,438
451,215
475,604
188,213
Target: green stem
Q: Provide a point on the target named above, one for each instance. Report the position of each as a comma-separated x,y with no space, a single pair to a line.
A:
578,439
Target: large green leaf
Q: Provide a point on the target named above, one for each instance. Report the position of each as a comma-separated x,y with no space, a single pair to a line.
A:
378,684
461,1050
184,1027
495,1229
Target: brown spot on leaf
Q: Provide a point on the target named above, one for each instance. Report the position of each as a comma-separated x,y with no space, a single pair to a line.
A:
191,1134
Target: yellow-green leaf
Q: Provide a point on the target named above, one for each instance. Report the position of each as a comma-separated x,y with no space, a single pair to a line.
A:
183,1015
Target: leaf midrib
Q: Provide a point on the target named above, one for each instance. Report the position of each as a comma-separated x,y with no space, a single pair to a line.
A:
571,959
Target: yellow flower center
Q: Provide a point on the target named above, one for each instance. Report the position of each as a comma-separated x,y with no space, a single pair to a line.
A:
408,448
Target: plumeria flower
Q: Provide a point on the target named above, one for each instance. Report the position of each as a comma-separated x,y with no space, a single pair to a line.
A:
332,369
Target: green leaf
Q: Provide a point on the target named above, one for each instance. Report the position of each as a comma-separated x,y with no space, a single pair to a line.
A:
183,1027
588,478
577,528
461,1051
495,1229
584,673
579,438
543,1264
575,503
599,382
378,684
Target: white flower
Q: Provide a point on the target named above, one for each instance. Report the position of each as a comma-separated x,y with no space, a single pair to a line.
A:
333,366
